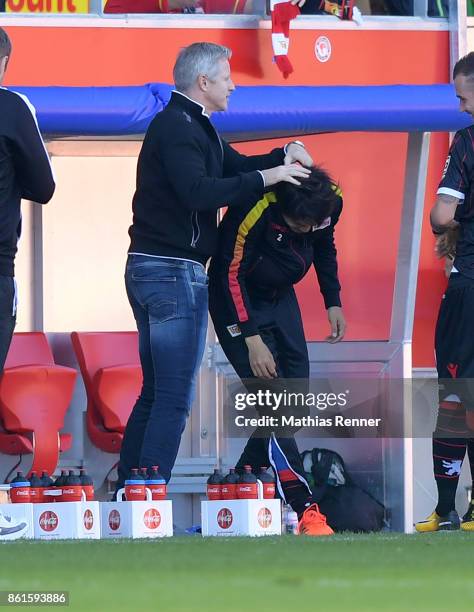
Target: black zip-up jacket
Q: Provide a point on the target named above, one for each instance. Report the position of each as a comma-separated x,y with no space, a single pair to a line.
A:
259,255
185,173
25,171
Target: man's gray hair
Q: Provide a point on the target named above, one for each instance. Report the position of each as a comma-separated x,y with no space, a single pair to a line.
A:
199,58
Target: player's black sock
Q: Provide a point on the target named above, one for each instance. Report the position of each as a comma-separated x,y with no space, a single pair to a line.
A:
448,453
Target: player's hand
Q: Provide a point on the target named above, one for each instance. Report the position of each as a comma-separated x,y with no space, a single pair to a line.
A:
260,357
297,153
446,243
338,324
299,3
448,265
289,174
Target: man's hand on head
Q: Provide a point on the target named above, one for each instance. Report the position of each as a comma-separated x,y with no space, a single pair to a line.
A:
291,173
296,153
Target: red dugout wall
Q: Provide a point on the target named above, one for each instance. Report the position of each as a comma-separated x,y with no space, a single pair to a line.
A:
369,166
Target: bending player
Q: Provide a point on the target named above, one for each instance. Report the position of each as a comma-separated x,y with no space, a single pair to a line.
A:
264,249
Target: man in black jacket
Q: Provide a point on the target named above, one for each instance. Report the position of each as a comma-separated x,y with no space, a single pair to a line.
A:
25,172
264,249
186,172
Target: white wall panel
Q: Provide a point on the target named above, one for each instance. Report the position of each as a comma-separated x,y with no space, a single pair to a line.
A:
85,242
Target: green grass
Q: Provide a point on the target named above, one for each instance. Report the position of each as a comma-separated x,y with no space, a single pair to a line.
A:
381,572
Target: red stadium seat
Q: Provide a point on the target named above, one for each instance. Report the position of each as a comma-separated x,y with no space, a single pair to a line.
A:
35,394
110,367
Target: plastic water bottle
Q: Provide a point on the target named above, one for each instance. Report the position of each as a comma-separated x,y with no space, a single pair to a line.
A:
135,486
268,482
72,488
36,489
157,484
247,487
20,489
214,485
59,483
289,520
87,485
229,485
48,485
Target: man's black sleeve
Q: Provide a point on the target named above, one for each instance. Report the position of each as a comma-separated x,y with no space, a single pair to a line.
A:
32,166
236,162
183,158
325,263
458,168
240,235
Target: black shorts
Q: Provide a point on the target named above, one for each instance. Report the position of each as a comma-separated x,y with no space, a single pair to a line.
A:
454,341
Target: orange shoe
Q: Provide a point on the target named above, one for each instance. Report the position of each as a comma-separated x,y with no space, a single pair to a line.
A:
313,523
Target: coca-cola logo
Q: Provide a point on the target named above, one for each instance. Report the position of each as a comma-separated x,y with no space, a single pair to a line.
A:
138,491
246,489
88,520
114,520
20,492
152,518
269,490
264,517
48,520
224,518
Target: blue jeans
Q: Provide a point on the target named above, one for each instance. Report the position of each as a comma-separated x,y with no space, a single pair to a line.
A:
169,299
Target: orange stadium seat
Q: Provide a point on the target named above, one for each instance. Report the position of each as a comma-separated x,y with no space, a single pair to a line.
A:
35,394
110,367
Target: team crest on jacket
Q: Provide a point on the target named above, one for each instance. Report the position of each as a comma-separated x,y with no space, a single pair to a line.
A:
234,330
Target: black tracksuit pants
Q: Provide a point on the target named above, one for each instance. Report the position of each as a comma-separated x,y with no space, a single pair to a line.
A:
281,328
7,316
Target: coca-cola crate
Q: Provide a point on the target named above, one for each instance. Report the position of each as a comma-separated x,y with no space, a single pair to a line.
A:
67,520
16,521
137,519
241,517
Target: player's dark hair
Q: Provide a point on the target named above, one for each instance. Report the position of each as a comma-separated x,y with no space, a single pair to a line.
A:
465,66
5,44
313,201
